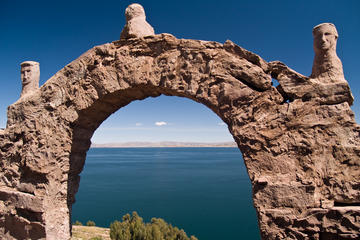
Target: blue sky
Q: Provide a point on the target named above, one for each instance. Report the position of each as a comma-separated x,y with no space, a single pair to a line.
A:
55,33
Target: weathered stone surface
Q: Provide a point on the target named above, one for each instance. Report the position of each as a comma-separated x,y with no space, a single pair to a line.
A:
17,227
136,24
30,76
21,215
299,141
293,86
316,223
327,66
251,57
22,200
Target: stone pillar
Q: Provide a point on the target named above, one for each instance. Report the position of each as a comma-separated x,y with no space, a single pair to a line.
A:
30,76
327,66
136,24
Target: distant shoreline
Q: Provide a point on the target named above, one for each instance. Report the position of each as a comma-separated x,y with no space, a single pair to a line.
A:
164,145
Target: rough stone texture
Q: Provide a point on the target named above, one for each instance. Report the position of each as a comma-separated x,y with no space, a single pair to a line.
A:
299,141
136,24
30,76
327,66
296,86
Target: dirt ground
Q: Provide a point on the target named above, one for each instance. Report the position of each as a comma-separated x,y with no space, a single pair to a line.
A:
86,233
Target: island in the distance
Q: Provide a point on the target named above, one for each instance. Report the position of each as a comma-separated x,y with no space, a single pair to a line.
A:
162,144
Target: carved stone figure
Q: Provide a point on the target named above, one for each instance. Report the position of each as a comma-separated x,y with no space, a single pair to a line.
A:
136,24
327,66
30,75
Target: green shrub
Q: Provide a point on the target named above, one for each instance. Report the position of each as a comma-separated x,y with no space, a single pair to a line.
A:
133,228
90,223
96,238
119,231
77,223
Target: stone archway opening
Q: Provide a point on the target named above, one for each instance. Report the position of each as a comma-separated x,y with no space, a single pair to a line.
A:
176,195
234,207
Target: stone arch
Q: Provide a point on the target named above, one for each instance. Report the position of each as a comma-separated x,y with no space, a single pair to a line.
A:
297,139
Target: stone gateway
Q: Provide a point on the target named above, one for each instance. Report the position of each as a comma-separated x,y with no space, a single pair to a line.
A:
299,140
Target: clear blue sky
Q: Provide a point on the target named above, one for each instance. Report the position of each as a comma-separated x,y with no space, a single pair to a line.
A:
56,32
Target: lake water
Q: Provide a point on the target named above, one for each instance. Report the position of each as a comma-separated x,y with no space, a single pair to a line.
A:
205,191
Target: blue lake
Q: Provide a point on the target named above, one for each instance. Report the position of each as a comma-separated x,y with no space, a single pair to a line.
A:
205,191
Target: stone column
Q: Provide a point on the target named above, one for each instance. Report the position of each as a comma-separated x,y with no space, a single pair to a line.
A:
327,66
136,24
30,76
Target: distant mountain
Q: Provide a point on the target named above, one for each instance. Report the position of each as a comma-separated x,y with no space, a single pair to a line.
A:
163,144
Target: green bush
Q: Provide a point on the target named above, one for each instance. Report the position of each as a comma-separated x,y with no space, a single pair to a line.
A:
119,231
133,228
90,223
77,223
96,238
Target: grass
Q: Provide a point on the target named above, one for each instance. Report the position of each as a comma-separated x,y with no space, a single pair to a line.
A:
86,233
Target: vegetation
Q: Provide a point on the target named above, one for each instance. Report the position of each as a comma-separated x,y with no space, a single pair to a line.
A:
77,223
90,223
130,228
133,228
